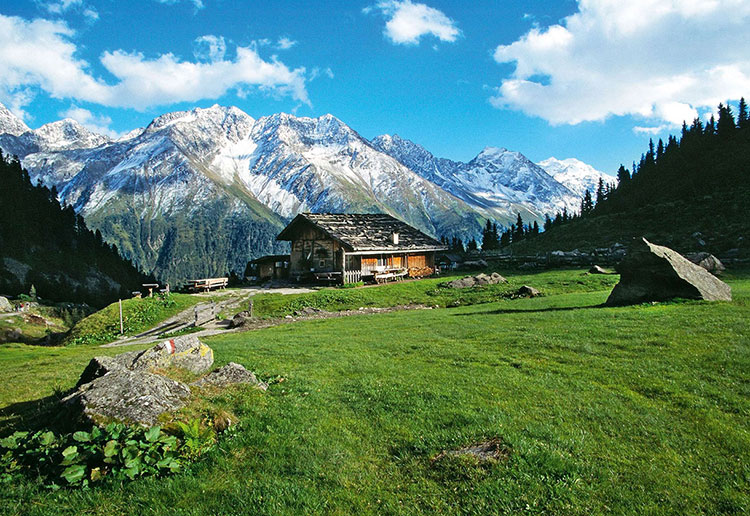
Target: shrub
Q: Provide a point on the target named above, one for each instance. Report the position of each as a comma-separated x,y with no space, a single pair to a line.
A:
115,452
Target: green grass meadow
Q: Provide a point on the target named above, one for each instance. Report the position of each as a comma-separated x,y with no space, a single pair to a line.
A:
629,410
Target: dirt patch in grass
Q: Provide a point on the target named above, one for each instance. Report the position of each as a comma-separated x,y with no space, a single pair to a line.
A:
493,449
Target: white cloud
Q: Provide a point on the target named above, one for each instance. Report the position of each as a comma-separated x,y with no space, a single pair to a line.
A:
285,43
209,48
197,3
40,55
166,79
317,72
408,22
660,60
62,6
96,123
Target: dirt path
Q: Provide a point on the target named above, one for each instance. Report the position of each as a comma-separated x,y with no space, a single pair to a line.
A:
222,327
186,318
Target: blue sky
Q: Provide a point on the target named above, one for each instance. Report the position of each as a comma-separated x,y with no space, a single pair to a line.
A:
590,79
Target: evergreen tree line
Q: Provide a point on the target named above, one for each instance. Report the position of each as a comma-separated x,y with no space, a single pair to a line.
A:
705,158
68,262
455,244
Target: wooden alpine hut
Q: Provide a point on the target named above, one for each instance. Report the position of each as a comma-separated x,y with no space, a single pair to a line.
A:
347,248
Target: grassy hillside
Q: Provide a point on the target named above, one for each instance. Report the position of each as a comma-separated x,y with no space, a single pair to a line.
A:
138,314
720,218
634,410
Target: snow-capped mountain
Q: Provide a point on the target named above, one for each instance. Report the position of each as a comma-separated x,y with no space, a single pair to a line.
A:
501,182
200,192
10,123
576,175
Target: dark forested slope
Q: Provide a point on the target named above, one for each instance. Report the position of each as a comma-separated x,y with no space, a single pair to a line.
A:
48,246
691,193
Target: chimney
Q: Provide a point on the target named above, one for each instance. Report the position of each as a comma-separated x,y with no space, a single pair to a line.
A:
395,238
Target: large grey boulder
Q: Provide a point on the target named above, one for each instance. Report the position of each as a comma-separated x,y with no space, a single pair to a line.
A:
655,273
186,352
126,387
5,305
230,374
128,396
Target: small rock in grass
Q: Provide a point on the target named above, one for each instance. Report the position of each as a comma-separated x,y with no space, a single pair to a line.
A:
527,291
230,374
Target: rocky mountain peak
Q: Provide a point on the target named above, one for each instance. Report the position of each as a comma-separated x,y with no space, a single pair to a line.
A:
10,123
575,174
67,134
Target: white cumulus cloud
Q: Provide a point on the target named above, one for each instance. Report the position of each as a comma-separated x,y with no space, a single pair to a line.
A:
96,123
209,48
197,3
408,22
659,60
41,55
285,43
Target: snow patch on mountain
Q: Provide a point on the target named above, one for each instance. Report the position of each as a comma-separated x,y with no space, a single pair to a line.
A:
576,175
10,123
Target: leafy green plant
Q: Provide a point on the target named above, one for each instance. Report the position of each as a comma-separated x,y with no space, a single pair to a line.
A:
117,451
197,439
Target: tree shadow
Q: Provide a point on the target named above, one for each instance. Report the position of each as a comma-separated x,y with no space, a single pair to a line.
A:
42,414
533,310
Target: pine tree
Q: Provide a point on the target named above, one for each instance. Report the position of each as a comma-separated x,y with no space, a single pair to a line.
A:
547,222
490,240
587,203
725,126
600,193
623,176
742,114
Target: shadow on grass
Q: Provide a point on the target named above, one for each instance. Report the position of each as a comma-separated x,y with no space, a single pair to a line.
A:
43,414
534,310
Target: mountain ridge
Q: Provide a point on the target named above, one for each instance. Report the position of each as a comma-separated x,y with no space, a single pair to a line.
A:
149,191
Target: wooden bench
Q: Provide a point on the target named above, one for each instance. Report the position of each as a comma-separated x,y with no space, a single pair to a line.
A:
207,284
392,273
334,276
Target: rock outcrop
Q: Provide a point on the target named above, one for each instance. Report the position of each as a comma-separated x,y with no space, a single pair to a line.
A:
185,352
527,291
230,374
655,273
475,281
5,305
130,396
128,387
708,261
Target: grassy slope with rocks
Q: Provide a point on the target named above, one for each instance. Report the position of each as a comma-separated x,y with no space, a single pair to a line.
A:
629,410
138,314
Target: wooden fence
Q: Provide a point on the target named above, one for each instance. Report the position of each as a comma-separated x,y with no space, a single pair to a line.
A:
352,276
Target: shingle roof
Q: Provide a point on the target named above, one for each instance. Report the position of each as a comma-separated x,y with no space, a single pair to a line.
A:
366,232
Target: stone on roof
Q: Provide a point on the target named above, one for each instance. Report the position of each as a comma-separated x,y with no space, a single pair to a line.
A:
366,232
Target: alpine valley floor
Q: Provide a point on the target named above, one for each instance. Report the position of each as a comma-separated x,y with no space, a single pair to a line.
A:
634,410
